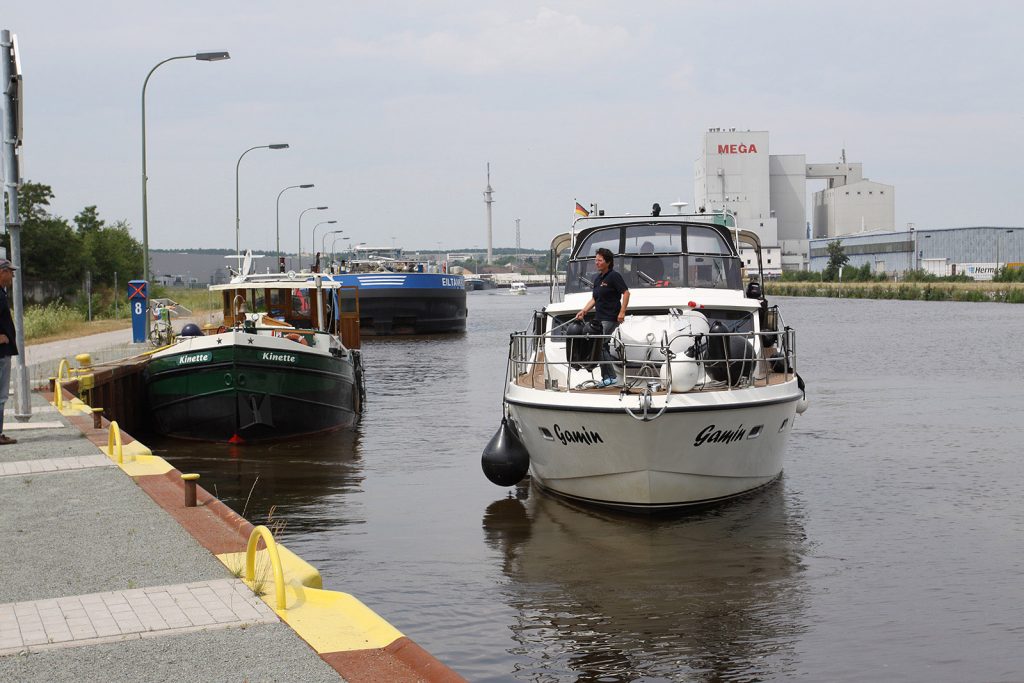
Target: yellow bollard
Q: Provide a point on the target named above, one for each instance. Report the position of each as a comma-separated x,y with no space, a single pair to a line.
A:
97,418
114,438
275,562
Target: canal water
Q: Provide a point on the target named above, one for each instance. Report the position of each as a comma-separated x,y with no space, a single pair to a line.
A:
891,549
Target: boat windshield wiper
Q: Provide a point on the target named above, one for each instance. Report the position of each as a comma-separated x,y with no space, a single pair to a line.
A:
646,278
585,281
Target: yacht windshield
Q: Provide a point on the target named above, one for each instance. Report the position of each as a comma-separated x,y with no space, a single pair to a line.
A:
658,255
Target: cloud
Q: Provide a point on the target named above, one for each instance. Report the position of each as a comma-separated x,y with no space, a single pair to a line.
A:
548,41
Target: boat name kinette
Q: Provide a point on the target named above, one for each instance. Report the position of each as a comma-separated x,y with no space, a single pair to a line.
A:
194,358
711,435
583,435
286,357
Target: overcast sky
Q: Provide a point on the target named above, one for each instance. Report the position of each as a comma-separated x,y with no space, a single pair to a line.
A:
393,109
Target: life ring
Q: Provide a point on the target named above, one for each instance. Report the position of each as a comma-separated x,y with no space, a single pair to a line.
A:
221,329
297,338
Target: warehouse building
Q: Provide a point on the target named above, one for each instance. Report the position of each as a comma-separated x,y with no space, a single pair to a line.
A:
977,252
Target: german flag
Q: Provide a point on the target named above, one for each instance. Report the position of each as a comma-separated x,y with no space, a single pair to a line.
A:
580,211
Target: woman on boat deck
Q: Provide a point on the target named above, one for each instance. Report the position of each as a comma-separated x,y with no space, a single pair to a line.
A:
610,300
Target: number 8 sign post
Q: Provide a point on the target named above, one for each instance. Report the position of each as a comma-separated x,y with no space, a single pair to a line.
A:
139,303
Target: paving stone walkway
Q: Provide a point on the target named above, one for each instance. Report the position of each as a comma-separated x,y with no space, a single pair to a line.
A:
123,615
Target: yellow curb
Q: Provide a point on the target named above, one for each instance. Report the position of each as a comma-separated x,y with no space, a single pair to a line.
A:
73,406
330,621
139,461
143,465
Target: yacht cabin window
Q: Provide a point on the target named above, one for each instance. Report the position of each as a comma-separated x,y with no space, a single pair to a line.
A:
658,255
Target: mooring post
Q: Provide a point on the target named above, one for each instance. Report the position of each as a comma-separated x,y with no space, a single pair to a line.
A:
97,418
190,489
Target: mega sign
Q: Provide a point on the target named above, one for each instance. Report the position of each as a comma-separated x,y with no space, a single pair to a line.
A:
738,149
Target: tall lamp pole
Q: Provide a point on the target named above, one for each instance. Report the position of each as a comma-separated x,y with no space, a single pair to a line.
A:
314,232
323,240
278,232
278,145
202,57
312,208
335,241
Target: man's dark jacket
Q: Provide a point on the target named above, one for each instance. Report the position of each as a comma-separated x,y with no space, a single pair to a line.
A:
7,326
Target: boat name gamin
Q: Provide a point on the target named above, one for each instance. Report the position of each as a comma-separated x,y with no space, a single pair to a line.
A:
194,358
711,435
285,357
583,435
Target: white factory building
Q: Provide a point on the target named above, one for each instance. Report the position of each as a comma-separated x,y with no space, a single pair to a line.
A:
768,194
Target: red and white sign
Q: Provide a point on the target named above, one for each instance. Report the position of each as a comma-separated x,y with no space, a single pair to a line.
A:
740,148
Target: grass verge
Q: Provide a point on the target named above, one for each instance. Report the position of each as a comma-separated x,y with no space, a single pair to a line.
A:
1003,292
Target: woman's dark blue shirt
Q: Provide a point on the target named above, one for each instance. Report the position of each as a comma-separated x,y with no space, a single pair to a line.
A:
608,290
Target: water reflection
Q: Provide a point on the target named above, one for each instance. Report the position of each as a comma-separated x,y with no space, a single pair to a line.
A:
601,596
303,483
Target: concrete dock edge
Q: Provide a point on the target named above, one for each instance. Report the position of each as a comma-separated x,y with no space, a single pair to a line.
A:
221,531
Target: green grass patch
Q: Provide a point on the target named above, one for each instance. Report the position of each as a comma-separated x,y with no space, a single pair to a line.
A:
933,290
49,320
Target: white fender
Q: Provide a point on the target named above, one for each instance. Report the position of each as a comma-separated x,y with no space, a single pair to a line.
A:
685,371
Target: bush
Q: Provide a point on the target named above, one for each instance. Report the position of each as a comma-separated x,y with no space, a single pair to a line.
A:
54,317
1007,274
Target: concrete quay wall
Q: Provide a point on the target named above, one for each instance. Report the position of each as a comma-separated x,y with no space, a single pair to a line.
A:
106,575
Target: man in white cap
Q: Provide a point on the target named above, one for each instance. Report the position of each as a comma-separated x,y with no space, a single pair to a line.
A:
8,345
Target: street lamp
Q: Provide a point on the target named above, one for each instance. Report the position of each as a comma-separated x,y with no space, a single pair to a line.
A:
335,242
279,145
312,208
323,240
323,245
314,232
202,57
999,241
278,232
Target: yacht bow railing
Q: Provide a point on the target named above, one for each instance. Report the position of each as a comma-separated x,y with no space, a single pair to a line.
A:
770,359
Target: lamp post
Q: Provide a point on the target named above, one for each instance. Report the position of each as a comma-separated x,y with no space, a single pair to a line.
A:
202,57
314,232
312,208
999,242
279,145
335,242
278,231
323,243
323,240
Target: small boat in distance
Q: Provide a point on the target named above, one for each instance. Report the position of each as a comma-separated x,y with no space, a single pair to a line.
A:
401,295
706,390
475,283
278,367
518,288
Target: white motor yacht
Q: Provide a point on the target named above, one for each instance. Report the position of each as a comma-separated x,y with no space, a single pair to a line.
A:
707,389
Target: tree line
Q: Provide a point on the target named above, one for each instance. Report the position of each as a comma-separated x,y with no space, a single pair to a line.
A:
56,250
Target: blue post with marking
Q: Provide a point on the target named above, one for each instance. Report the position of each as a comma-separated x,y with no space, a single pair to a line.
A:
139,302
